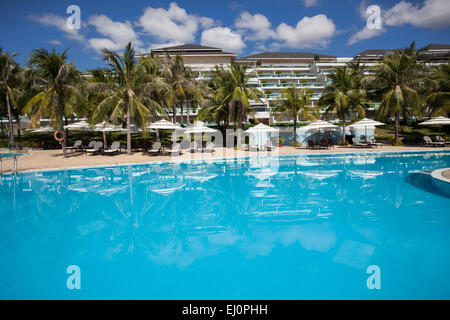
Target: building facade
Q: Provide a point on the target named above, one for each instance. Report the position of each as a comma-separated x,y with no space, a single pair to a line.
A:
274,71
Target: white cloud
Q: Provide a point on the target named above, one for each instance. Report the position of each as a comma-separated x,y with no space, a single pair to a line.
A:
55,42
173,24
117,34
255,27
432,14
59,22
223,38
365,34
308,33
310,3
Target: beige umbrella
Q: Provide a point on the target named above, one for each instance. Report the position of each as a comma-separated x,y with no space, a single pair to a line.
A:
442,121
364,123
80,125
319,125
107,127
165,125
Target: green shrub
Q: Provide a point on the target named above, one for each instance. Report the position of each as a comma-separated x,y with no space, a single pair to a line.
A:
344,143
398,143
389,139
296,144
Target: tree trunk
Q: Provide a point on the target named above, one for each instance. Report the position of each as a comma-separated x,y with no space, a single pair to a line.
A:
343,130
187,112
61,125
18,125
11,130
396,125
181,111
174,113
295,130
128,129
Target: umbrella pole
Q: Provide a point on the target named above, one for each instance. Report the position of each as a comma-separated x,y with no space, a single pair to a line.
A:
104,139
157,135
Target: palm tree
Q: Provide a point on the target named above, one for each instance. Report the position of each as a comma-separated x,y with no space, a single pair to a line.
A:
235,92
10,80
216,107
56,80
438,97
180,82
193,93
295,102
396,80
343,95
127,92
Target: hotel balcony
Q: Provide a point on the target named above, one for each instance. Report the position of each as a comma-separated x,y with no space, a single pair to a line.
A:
290,85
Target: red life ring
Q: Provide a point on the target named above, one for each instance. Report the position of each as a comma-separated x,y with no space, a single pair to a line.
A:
59,132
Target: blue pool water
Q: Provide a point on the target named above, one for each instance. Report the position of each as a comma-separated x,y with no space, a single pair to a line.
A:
260,228
9,155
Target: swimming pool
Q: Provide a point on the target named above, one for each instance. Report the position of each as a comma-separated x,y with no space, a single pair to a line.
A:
4,155
294,227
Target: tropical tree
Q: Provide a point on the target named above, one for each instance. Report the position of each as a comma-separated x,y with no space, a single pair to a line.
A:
57,82
343,95
231,89
438,96
216,107
180,83
294,103
10,81
396,81
127,94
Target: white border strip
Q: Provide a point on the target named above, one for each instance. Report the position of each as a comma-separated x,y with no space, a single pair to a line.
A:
245,158
438,175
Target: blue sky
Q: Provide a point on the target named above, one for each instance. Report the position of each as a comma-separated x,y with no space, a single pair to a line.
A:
245,27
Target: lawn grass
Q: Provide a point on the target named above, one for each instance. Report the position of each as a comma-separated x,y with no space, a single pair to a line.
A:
412,134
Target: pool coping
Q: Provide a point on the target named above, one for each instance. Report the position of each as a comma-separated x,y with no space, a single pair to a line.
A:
438,175
399,153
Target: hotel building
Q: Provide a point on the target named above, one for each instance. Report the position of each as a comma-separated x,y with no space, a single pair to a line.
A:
274,71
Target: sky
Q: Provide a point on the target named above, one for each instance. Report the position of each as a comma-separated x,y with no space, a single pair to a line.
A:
245,27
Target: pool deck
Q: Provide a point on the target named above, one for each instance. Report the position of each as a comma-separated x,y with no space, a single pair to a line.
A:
54,159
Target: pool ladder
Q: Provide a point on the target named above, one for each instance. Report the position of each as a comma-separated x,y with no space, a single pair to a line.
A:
14,169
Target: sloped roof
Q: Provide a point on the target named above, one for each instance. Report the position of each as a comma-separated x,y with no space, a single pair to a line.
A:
435,46
192,49
188,47
284,55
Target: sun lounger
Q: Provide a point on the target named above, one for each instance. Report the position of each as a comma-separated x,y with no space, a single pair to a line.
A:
185,145
270,146
440,139
114,149
176,150
195,147
89,146
209,147
156,149
359,144
311,145
252,147
370,142
96,148
324,144
431,143
76,146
